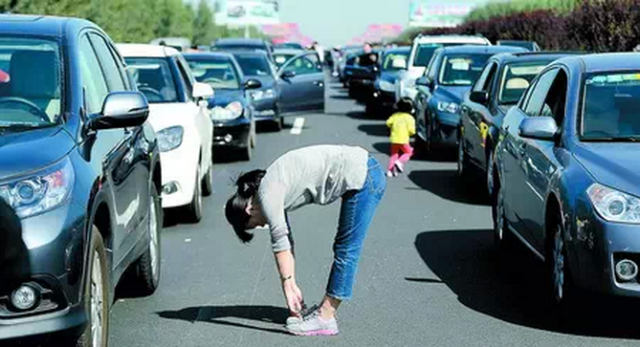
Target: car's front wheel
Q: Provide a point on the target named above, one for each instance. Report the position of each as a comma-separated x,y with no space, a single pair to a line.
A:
147,268
501,236
207,182
194,209
560,283
96,298
462,162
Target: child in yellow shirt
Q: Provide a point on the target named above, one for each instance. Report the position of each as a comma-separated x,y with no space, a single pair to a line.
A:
403,126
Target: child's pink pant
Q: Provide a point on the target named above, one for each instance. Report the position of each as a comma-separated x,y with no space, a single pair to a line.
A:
407,152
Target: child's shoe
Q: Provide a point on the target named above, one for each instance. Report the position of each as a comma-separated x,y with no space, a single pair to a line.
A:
399,166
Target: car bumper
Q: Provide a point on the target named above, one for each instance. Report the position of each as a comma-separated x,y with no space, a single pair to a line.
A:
179,167
384,98
445,129
55,240
232,134
265,110
599,246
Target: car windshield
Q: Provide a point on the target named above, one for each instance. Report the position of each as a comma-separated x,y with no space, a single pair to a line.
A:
395,61
254,65
611,107
154,79
219,74
516,79
462,69
282,58
425,52
30,83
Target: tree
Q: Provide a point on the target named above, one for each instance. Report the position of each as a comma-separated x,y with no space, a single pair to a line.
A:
203,24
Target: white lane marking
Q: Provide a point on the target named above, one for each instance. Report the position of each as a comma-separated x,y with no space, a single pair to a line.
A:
297,126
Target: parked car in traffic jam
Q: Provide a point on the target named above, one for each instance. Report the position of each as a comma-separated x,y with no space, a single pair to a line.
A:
423,49
501,84
231,110
363,73
81,168
383,95
180,117
234,44
529,45
283,55
567,176
451,73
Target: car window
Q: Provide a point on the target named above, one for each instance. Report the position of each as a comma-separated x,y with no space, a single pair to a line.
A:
110,68
554,103
254,65
534,105
93,80
282,58
516,78
610,106
30,76
461,69
154,79
486,77
185,73
219,74
395,61
434,66
304,65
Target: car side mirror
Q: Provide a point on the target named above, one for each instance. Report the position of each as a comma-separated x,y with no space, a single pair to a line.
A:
121,110
539,128
425,82
479,97
285,75
202,91
252,84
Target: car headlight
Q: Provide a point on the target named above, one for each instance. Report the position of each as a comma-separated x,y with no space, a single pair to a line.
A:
41,191
614,206
231,111
170,138
263,94
387,86
449,107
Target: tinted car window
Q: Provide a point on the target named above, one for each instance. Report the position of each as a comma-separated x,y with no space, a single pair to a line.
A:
29,73
154,79
516,78
111,68
425,52
282,58
304,65
539,93
395,61
254,65
93,80
219,74
484,81
462,69
611,104
185,73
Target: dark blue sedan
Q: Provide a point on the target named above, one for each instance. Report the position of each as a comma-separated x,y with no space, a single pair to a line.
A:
568,176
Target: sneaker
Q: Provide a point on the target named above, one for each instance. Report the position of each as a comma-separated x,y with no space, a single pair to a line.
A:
390,174
313,325
399,166
303,313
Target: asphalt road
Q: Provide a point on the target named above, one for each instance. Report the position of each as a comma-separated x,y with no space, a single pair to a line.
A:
429,275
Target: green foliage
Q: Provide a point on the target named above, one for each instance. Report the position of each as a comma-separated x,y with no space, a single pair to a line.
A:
499,9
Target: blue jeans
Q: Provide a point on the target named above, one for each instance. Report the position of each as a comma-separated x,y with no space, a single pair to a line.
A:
358,208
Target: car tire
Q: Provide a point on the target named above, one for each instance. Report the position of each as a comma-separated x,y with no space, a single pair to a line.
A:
501,235
462,162
246,152
562,291
207,182
194,209
254,137
96,295
147,269
490,172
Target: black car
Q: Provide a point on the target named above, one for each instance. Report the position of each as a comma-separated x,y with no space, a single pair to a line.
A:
231,111
450,74
229,44
383,95
501,84
362,74
298,86
81,168
568,175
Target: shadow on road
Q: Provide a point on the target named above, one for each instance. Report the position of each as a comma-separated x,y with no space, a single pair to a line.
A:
341,97
447,185
510,286
380,129
218,314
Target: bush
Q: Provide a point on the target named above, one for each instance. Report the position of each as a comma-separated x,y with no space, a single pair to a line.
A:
501,9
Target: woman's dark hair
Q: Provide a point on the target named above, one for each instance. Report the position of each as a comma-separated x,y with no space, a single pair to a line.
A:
404,105
235,210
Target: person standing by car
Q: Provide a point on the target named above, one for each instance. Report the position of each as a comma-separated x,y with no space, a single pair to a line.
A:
14,256
321,175
403,126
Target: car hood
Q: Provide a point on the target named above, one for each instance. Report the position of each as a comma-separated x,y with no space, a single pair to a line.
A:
615,165
224,97
267,81
389,76
30,151
455,94
162,116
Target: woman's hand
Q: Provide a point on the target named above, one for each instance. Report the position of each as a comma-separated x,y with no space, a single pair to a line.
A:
293,295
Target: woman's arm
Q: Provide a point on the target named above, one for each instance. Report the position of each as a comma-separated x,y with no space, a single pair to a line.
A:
286,269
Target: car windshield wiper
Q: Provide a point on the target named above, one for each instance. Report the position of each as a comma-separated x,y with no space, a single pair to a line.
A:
16,127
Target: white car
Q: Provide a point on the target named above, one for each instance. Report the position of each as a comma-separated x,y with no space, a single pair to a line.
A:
181,120
421,52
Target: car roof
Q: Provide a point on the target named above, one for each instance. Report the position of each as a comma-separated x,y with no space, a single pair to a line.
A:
147,51
40,25
452,39
477,49
247,52
212,55
238,41
404,49
606,62
288,51
532,56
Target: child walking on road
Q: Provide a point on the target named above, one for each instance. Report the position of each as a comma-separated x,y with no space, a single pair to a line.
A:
403,126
